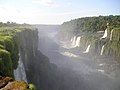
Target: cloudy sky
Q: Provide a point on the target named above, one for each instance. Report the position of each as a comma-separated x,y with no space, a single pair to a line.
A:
54,11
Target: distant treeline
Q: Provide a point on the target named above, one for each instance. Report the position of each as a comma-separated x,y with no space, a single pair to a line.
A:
11,24
91,24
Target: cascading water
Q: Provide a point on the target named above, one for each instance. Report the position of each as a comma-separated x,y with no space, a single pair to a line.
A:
105,34
77,44
88,49
71,39
102,49
19,73
111,34
74,40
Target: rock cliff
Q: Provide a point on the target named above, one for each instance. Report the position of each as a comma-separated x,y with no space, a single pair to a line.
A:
17,42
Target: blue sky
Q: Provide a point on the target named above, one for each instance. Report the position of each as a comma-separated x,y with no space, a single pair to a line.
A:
55,11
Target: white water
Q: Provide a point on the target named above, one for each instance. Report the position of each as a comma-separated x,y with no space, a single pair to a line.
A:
101,64
105,34
88,49
73,42
111,34
72,39
68,54
101,53
77,44
19,73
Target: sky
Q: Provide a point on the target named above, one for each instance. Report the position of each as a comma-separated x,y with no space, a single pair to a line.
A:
55,11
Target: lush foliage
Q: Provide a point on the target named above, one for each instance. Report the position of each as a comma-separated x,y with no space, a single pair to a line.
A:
90,24
91,29
9,47
5,62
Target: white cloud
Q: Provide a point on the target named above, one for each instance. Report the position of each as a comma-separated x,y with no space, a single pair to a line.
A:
48,3
28,16
35,16
10,14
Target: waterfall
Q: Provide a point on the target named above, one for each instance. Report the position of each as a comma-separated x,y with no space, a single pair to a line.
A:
19,73
111,34
77,44
101,53
73,42
72,39
88,49
105,34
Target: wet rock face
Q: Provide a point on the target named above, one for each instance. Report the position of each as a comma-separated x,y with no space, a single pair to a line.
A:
7,83
28,41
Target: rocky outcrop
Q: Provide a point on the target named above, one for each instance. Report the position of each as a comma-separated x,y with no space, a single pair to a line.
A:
8,83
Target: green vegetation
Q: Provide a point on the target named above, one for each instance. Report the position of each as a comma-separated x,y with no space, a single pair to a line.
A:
32,87
112,47
9,46
5,62
90,24
92,29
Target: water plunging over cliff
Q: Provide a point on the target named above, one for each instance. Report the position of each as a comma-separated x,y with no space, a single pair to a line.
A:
102,49
19,73
111,34
105,34
73,42
71,39
88,49
77,44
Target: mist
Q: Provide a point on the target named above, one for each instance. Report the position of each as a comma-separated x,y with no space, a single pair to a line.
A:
75,70
61,44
